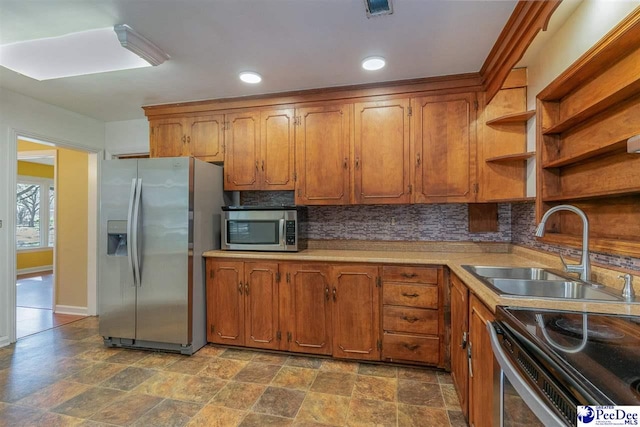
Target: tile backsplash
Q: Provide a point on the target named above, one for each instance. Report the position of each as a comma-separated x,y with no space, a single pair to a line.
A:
431,222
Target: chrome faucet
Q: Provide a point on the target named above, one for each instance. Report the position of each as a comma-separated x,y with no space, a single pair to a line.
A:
584,268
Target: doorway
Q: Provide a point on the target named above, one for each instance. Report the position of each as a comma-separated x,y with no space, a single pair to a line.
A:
37,224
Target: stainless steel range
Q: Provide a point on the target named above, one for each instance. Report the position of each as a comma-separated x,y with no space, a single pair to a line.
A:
553,361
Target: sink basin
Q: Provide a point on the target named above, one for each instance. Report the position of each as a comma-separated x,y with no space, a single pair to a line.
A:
537,282
551,289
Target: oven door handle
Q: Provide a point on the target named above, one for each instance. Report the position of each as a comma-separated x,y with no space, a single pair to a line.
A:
539,407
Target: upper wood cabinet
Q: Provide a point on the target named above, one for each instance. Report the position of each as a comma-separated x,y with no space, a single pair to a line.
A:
444,148
322,155
356,312
381,152
200,136
260,150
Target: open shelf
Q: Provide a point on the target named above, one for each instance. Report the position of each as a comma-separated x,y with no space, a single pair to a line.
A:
512,118
586,155
511,157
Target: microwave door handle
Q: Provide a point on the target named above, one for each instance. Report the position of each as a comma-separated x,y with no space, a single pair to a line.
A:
528,395
283,240
130,239
225,231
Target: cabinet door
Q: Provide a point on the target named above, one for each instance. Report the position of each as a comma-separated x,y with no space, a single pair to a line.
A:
356,312
261,304
381,151
242,151
308,300
481,375
168,138
277,149
445,148
225,302
205,137
322,155
459,339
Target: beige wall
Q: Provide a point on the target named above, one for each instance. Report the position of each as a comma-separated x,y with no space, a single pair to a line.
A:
71,224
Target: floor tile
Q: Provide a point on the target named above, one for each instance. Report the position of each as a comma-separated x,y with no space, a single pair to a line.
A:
209,351
187,388
416,416
257,373
324,409
96,373
15,386
450,396
269,358
340,383
261,420
339,366
283,402
456,418
12,416
53,395
127,409
377,370
99,354
88,403
375,388
128,357
239,354
50,419
363,412
418,374
217,416
304,362
444,378
419,393
186,365
129,378
169,413
222,368
297,378
238,395
157,360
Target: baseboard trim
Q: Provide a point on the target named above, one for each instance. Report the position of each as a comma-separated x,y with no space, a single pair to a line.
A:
71,309
31,270
4,341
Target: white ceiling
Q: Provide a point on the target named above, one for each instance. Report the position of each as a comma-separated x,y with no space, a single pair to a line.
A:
294,44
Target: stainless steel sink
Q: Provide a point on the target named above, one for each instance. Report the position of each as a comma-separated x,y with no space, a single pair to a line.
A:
538,282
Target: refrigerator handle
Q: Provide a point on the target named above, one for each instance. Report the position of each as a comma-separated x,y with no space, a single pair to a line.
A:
136,233
129,230
283,240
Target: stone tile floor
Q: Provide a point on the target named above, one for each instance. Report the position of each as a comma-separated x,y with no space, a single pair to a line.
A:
66,377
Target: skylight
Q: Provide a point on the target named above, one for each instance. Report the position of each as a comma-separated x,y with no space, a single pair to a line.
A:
74,54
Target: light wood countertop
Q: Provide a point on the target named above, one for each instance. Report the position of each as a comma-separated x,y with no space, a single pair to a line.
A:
455,256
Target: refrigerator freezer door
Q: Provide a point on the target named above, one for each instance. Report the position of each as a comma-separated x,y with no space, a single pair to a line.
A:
117,291
163,307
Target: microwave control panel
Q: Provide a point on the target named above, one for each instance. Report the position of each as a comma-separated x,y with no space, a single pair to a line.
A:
290,233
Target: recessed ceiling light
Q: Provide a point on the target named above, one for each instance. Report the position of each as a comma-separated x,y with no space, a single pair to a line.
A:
74,54
250,77
373,63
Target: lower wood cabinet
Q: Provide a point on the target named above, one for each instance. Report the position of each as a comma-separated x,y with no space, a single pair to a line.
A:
472,362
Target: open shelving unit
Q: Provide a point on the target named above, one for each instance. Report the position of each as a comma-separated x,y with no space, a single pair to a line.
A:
584,118
503,151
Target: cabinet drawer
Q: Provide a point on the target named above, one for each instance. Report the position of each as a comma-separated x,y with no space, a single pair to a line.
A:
393,273
412,320
424,296
407,347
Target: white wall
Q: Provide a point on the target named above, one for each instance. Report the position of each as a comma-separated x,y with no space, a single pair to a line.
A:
590,21
127,137
21,115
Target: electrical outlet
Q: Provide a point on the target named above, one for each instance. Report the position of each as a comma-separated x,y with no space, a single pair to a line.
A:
393,220
0,223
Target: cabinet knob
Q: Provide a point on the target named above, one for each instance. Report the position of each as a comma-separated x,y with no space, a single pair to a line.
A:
246,288
410,319
326,293
418,161
335,295
410,347
357,163
262,166
414,295
408,275
240,287
345,164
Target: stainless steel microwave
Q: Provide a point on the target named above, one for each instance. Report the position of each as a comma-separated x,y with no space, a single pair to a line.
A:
262,228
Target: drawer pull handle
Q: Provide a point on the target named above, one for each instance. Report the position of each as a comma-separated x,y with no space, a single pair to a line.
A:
411,347
414,295
408,275
410,319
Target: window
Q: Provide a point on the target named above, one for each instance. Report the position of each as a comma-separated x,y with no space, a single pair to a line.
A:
35,205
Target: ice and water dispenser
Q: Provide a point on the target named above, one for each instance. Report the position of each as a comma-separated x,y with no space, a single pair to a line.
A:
117,238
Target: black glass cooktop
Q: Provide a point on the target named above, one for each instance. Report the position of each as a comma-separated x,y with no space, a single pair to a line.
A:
598,354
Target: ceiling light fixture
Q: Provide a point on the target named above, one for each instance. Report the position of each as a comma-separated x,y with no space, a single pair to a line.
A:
373,63
633,144
250,77
130,39
378,7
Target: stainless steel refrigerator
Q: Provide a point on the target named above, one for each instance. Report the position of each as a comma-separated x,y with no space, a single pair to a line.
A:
157,217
